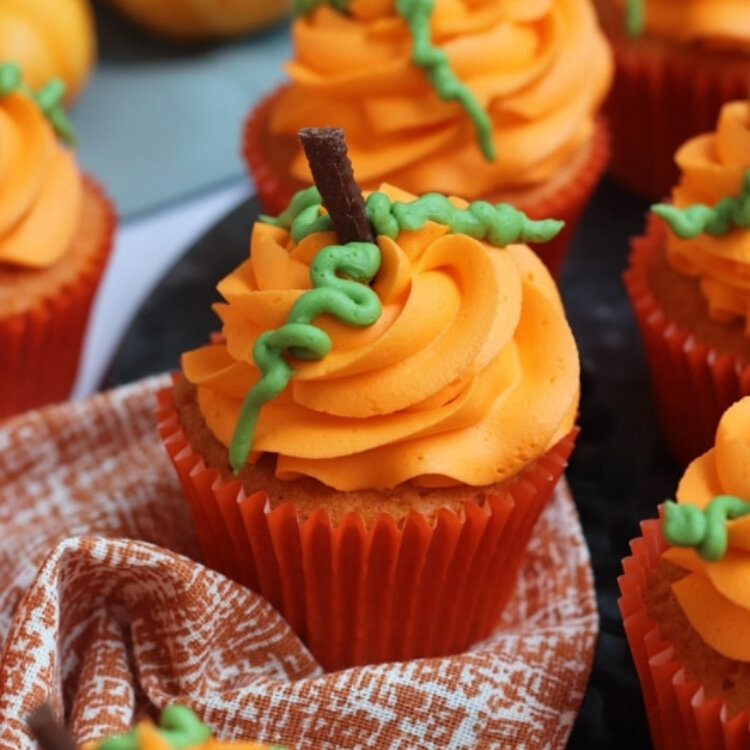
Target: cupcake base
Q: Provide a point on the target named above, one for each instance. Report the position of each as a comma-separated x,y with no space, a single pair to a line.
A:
41,332
268,157
679,713
361,594
694,381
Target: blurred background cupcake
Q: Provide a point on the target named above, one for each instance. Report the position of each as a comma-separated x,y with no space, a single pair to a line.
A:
689,284
55,236
685,603
483,100
49,40
193,20
676,63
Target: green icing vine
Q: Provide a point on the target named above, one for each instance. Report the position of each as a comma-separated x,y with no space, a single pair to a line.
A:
433,60
716,220
302,216
705,530
302,7
178,726
499,224
48,99
635,17
339,275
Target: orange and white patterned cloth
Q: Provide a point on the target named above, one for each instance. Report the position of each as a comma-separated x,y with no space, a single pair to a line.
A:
104,614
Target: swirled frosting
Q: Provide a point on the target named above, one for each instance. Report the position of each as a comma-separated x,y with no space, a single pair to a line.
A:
713,168
538,69
41,190
715,595
469,374
724,23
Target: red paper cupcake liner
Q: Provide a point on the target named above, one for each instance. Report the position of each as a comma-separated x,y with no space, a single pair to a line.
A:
41,346
656,104
693,384
679,714
276,188
357,594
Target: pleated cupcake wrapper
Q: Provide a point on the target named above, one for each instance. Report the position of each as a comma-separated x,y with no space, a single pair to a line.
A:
40,347
276,188
357,594
679,714
655,105
693,385
568,202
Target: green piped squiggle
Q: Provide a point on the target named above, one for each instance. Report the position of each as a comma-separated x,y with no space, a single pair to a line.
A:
499,224
301,7
434,61
688,223
339,275
302,216
705,530
635,17
48,99
179,727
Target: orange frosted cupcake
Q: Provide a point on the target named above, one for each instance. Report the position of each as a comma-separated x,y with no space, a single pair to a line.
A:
486,100
685,604
689,283
55,236
179,728
49,40
195,20
383,499
676,64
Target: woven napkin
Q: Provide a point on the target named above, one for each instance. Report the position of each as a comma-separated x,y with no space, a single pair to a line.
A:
105,613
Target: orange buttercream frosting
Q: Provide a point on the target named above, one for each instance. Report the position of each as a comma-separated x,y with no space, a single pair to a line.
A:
41,190
539,68
713,166
470,373
715,596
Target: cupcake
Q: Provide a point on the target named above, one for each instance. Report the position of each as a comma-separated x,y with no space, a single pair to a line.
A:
684,600
689,284
49,40
193,20
371,454
486,100
178,727
676,64
55,235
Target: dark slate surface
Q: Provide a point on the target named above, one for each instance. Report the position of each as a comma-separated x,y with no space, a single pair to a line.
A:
619,471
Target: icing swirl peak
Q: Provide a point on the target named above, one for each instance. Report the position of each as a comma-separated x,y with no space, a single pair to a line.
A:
714,524
41,191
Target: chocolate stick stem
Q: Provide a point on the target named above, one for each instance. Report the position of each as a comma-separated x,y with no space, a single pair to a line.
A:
325,149
47,731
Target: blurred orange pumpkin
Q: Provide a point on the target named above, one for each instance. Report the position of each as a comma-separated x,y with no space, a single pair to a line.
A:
49,38
203,19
